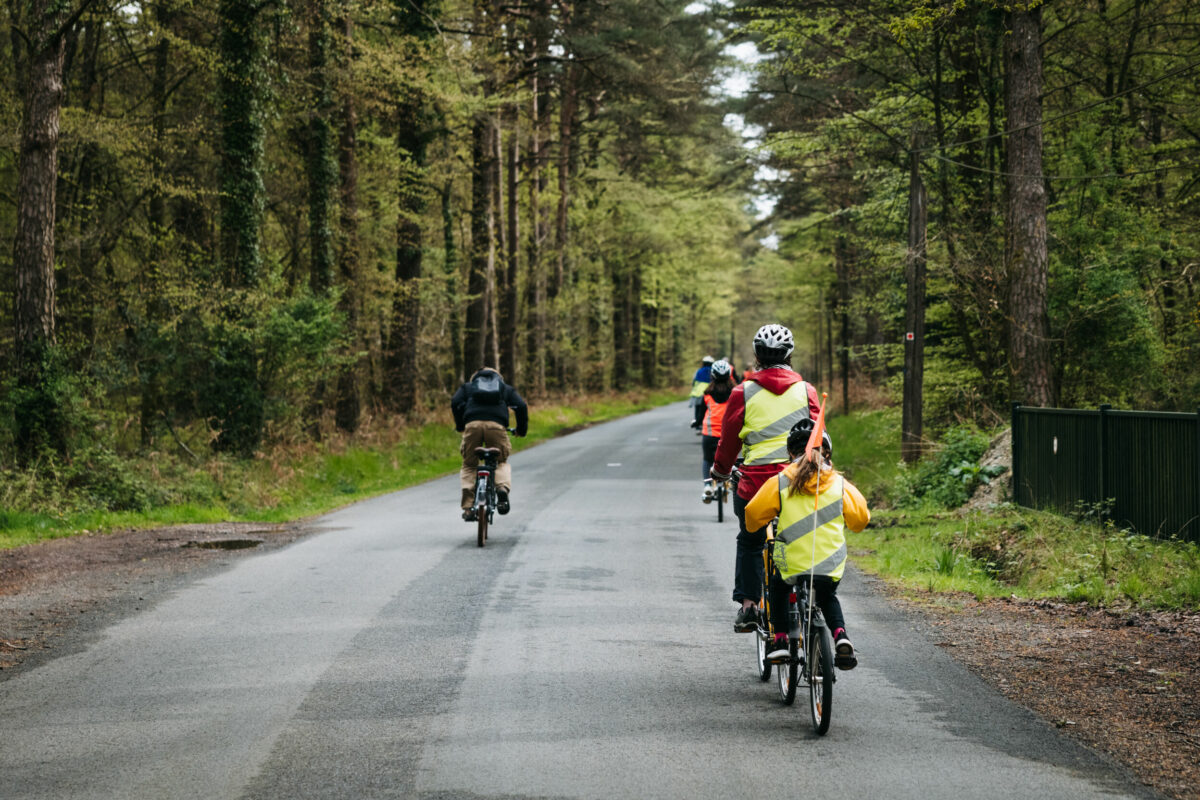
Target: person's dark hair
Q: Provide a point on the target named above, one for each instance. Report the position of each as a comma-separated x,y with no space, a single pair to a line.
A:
720,388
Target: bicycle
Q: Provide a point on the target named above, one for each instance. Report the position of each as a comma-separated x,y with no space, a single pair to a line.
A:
485,490
806,626
721,493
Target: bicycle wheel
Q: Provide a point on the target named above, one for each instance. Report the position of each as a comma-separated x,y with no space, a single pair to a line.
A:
820,678
482,518
788,674
764,669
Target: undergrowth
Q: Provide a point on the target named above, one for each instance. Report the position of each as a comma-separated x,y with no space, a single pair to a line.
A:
102,491
922,538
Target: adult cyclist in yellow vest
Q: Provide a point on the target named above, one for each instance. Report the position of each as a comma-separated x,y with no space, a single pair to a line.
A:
758,416
815,504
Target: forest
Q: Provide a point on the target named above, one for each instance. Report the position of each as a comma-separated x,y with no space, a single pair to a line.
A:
240,222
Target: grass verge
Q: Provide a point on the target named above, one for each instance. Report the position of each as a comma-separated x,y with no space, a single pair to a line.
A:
924,546
286,482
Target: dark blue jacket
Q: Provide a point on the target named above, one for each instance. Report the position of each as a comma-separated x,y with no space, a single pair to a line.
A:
469,405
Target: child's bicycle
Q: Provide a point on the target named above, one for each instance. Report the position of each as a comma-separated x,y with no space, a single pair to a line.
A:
813,665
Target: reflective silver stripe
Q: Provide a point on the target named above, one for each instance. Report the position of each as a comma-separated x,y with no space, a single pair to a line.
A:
779,427
805,525
830,565
751,389
773,457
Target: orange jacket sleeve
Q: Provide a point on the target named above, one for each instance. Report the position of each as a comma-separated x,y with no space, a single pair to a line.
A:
854,507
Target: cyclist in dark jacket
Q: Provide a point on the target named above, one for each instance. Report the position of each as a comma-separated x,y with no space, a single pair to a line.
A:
480,408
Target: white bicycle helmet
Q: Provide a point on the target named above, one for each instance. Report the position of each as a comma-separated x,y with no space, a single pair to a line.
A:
721,369
772,344
706,360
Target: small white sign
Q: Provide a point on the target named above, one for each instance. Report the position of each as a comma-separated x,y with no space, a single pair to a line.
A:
617,464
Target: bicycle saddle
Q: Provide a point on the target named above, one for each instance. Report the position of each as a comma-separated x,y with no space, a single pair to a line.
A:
484,452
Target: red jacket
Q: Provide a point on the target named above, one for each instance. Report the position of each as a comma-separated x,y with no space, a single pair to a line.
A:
775,380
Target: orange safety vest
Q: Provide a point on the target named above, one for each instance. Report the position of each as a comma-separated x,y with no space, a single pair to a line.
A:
714,416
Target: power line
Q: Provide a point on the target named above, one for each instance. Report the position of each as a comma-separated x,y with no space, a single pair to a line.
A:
1066,114
1096,176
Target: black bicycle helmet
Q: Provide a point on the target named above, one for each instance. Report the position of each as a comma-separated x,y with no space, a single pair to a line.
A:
799,435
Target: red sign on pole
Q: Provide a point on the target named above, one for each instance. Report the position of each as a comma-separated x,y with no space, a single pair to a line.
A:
909,336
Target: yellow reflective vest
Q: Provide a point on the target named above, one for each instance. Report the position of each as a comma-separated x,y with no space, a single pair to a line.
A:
768,419
795,536
699,388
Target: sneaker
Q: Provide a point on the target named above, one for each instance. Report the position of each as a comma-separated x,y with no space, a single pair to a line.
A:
468,515
844,658
707,497
778,652
746,620
502,501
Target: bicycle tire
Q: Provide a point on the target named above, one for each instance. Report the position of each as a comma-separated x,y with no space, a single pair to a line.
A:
721,503
820,679
760,646
789,674
482,519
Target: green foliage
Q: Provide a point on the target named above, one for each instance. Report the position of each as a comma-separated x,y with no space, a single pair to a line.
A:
950,476
99,490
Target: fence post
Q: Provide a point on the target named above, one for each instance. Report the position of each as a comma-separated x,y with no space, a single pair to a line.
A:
1104,409
1016,409
1195,537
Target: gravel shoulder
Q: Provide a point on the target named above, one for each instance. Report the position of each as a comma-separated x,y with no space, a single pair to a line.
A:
1122,681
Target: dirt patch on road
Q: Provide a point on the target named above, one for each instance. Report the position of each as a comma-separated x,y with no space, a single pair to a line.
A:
1122,681
55,593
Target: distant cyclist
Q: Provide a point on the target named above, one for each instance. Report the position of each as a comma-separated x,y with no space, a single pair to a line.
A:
700,382
761,411
716,398
480,408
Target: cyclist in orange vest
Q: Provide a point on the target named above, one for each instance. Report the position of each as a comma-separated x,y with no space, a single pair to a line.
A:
715,398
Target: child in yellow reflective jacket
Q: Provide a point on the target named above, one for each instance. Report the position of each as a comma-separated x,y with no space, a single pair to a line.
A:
815,504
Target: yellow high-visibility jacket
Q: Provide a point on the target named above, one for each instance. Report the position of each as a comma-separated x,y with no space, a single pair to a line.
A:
836,503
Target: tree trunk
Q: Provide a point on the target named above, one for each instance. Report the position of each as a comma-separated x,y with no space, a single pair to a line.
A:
349,399
411,139
475,330
239,410
536,269
510,313
1025,246
566,129
453,293
320,158
38,414
914,344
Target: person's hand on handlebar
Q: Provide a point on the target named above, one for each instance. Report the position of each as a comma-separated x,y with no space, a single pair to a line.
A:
717,476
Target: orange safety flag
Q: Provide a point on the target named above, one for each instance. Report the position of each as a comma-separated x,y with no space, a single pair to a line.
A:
814,440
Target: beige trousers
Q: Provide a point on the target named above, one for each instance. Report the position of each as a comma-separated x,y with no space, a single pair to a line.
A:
483,433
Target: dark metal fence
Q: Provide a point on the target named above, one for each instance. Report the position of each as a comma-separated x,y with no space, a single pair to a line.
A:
1143,467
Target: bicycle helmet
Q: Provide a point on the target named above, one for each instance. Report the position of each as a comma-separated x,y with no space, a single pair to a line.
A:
721,369
799,435
773,344
706,360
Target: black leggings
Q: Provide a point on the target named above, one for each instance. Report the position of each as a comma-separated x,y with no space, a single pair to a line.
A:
825,592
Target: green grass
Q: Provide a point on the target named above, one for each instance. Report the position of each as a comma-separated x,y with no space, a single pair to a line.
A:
284,483
866,446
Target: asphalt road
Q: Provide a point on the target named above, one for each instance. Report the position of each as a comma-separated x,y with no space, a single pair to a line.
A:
586,652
